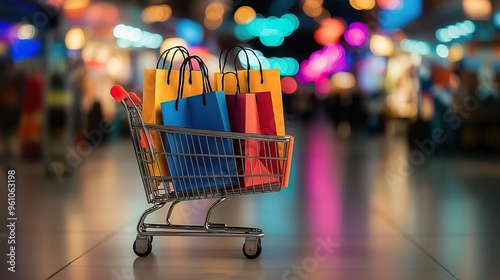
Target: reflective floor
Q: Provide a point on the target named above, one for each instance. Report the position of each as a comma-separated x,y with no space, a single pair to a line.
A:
355,209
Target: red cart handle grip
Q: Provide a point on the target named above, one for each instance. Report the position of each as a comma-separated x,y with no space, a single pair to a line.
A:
135,98
118,93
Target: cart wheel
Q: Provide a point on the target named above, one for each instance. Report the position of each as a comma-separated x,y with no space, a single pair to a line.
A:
150,239
252,249
142,248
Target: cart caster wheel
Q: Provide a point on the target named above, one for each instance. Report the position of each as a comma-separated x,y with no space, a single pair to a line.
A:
142,247
150,239
252,250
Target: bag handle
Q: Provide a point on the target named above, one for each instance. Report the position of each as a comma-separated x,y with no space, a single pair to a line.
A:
227,50
238,89
165,53
207,87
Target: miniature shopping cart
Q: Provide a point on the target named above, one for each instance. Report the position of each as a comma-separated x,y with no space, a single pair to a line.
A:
162,187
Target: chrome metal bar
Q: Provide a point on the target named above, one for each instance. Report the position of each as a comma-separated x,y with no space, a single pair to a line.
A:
170,210
209,212
141,225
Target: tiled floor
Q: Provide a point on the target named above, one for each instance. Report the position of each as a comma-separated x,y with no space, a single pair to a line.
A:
356,209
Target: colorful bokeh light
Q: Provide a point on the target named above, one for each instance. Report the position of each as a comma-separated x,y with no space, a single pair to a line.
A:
322,63
381,45
271,31
330,31
190,31
323,86
356,34
129,36
343,80
288,66
288,85
389,4
362,4
244,15
75,39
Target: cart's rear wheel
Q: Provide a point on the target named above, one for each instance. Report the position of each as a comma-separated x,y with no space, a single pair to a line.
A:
142,247
252,248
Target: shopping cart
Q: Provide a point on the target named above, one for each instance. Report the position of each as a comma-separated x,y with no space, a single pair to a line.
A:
163,188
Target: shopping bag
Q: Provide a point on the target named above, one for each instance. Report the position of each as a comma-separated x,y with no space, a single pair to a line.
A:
259,162
253,81
161,84
199,162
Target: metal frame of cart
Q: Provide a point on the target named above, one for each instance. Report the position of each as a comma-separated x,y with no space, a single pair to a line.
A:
161,188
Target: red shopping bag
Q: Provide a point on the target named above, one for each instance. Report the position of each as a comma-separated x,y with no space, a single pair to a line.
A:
253,113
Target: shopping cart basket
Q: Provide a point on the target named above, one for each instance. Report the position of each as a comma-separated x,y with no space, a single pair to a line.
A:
163,188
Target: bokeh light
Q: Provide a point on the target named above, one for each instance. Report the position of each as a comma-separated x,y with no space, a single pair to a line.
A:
26,31
330,31
442,51
288,85
362,4
156,13
455,31
371,72
244,15
313,8
190,31
271,31
390,4
172,42
102,14
212,24
381,45
477,9
343,80
496,19
456,52
324,86
138,38
74,9
415,46
288,66
214,11
356,34
322,63
75,39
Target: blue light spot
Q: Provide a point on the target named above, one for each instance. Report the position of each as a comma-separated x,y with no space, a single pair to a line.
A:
190,31
24,49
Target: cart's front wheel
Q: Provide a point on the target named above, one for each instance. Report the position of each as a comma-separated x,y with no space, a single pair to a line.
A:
142,247
252,248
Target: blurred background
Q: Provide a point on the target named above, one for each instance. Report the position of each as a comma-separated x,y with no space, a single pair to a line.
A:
394,106
398,66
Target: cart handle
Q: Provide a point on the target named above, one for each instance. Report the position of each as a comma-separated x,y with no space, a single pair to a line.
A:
121,95
135,99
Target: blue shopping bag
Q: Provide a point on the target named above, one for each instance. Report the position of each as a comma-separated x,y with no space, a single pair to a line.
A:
199,163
